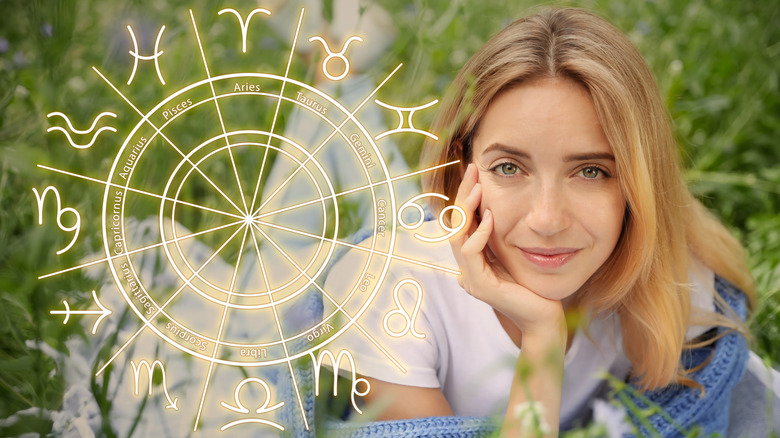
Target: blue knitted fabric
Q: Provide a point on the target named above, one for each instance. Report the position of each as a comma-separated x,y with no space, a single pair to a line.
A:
685,408
444,427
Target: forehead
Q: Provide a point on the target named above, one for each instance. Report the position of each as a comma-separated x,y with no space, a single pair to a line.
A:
543,113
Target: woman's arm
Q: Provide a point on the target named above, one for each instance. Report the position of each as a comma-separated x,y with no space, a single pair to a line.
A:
535,396
392,401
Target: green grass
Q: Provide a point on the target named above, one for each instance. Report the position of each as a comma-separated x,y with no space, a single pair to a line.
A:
715,60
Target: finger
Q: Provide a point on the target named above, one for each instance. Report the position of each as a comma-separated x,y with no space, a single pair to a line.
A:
475,270
467,208
474,247
467,183
469,196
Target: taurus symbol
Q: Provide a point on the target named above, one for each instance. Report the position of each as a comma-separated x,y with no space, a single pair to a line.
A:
339,55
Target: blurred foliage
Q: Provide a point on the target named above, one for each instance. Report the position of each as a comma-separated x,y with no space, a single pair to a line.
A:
715,60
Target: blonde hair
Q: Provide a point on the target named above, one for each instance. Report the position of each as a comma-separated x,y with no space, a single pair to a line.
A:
645,280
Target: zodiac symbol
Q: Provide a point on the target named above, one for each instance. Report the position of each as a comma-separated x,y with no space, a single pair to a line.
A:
60,212
317,364
411,127
156,55
150,372
241,23
339,55
103,312
399,310
241,409
412,204
78,131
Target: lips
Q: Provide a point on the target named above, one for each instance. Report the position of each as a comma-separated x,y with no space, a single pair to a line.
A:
549,258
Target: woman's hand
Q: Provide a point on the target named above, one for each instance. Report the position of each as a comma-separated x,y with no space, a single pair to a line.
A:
485,278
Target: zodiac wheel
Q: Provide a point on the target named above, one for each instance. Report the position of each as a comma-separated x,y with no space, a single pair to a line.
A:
285,232
236,172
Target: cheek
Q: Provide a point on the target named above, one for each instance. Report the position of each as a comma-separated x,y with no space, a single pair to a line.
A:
505,206
605,217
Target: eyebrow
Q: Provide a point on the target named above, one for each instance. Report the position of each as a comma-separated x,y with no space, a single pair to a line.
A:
589,156
499,147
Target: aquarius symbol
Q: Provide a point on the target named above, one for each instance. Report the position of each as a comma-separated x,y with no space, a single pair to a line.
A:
241,409
241,23
451,231
60,212
156,55
78,131
399,310
150,371
339,55
317,364
400,111
103,312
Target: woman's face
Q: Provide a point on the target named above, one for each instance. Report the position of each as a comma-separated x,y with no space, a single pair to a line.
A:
548,175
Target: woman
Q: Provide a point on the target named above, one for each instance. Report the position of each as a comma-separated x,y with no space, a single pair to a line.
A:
576,214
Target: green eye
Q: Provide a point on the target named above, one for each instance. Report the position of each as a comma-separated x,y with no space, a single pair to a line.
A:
507,169
593,172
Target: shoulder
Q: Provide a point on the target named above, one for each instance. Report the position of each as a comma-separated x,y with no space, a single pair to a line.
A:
717,368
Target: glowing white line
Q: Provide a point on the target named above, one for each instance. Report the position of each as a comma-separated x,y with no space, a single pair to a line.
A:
137,250
154,195
81,146
338,129
103,312
244,26
338,306
278,104
361,248
219,112
251,420
221,324
279,324
156,55
357,189
78,131
160,309
354,321
262,265
399,110
146,119
379,346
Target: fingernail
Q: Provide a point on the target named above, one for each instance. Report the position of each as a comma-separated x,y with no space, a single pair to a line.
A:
487,214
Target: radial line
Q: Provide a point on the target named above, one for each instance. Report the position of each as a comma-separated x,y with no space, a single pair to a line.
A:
146,119
154,195
338,306
278,104
370,338
221,326
160,309
338,129
219,112
278,323
357,189
262,265
361,248
94,262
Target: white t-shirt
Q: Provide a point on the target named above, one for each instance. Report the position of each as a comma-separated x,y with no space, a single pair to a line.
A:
465,350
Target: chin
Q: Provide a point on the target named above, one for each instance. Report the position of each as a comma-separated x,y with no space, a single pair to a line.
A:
552,288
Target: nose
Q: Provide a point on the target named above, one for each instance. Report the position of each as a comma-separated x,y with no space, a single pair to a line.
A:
549,210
